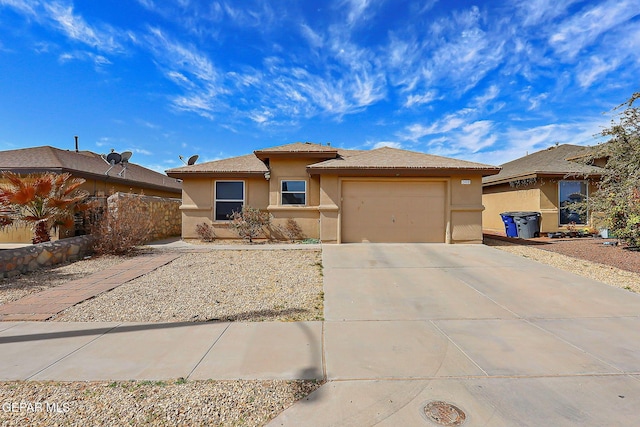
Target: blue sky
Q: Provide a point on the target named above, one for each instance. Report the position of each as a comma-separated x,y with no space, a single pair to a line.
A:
485,81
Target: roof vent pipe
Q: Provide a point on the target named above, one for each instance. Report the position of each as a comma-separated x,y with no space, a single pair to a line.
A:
76,137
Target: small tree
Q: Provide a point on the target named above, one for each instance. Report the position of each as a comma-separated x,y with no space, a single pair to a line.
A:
42,201
250,222
617,200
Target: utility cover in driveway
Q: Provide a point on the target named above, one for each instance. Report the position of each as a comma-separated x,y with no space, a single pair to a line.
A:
392,211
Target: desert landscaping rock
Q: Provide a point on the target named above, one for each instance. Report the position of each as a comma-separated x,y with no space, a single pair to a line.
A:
584,257
161,403
235,285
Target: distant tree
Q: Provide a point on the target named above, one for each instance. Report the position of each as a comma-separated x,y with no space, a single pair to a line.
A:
617,199
42,201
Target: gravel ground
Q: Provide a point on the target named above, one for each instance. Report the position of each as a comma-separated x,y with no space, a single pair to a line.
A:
12,289
197,403
233,285
587,257
248,285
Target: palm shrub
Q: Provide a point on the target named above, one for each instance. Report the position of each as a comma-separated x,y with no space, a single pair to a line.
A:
42,201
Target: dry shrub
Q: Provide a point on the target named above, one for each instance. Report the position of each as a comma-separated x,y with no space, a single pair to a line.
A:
292,230
205,232
124,223
250,223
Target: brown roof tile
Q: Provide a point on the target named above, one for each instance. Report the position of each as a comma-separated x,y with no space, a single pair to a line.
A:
551,161
299,147
247,164
84,164
393,158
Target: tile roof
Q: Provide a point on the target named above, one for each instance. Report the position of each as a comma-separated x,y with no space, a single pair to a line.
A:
551,161
83,164
394,158
299,147
247,164
381,159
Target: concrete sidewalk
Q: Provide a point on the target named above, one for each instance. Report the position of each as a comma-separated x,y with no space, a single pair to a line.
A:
507,341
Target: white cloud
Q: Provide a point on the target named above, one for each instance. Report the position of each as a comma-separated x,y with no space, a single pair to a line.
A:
582,29
595,68
490,94
540,12
76,28
425,98
314,39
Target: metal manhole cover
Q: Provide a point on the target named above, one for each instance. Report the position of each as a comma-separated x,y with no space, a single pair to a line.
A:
444,414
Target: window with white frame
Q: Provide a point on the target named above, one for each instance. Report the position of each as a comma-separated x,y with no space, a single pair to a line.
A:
294,192
229,198
570,193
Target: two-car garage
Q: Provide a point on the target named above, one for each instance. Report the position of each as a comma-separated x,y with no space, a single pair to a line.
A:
393,210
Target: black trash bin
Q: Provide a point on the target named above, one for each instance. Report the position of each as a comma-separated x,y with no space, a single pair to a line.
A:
510,227
528,224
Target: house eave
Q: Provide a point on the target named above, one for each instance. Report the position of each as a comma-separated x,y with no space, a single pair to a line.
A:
326,155
537,174
213,174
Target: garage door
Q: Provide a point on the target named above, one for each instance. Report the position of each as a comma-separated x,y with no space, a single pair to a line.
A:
393,211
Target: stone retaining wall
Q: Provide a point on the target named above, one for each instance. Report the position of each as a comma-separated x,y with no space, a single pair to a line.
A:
164,212
14,262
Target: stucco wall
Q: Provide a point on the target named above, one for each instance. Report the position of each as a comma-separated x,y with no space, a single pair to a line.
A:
466,209
539,197
503,198
198,200
320,218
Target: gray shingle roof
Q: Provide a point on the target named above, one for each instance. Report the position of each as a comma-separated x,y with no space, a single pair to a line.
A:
551,161
85,164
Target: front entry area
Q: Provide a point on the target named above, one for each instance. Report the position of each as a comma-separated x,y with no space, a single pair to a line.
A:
393,211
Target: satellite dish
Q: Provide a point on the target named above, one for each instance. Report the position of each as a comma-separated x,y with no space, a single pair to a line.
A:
114,158
192,160
126,155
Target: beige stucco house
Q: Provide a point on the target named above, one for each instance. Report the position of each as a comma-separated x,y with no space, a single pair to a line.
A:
100,179
547,181
340,196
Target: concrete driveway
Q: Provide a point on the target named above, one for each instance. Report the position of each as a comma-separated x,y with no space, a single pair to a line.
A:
507,341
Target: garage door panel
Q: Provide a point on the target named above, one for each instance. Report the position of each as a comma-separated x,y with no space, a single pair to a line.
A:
387,211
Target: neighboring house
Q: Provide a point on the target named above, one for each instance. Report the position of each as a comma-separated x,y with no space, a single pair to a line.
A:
91,167
547,181
339,196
